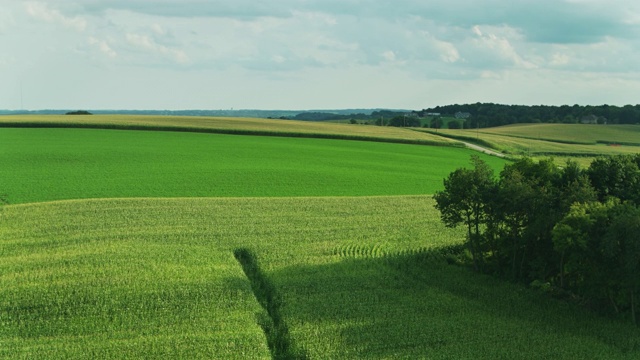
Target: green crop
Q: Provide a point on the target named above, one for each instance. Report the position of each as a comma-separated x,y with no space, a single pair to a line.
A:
54,164
254,247
228,125
348,277
562,141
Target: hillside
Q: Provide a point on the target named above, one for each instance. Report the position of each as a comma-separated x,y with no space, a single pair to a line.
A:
41,164
562,141
229,125
341,278
186,240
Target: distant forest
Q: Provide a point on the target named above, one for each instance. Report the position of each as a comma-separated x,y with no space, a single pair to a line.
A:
326,116
490,115
467,115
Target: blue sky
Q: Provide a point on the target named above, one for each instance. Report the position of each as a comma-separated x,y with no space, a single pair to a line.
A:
316,54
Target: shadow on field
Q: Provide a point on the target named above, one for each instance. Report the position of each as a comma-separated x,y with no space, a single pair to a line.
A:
420,306
270,320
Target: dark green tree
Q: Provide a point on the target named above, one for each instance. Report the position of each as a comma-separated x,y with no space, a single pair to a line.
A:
621,248
436,122
599,245
463,201
616,176
404,121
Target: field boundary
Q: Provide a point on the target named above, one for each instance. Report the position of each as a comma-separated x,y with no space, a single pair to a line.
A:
54,125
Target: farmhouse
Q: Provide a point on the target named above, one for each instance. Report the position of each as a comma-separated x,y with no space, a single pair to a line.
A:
462,115
589,119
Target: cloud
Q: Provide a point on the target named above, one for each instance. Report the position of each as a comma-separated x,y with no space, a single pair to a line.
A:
42,11
148,44
498,48
102,46
496,42
389,56
447,51
544,21
241,9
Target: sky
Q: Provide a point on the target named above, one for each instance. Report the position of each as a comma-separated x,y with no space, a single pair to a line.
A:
316,54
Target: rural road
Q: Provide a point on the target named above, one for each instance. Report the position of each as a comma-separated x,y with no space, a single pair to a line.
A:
482,149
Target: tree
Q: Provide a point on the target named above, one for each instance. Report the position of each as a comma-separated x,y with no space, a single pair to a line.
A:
572,237
463,202
574,228
616,176
404,121
621,248
454,125
436,122
600,248
528,194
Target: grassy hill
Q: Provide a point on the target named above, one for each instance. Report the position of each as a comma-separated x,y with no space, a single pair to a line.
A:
350,278
572,133
562,141
188,244
231,125
40,164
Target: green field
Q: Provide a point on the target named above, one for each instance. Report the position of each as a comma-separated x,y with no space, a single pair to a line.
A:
55,164
199,245
562,141
242,126
133,278
572,133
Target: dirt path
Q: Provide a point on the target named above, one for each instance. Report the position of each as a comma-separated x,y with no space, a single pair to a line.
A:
482,149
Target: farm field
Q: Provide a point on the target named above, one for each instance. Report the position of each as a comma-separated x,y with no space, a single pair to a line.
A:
245,126
55,164
562,141
161,244
572,133
356,277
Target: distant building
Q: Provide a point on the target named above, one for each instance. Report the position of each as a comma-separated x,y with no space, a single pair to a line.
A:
462,115
589,119
433,114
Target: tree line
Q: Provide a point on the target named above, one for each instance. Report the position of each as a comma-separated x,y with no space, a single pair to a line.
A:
572,231
327,116
489,114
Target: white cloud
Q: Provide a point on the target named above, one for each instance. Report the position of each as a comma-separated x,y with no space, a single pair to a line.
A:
42,11
559,59
144,42
447,51
158,29
278,59
103,46
389,55
476,30
478,48
499,47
